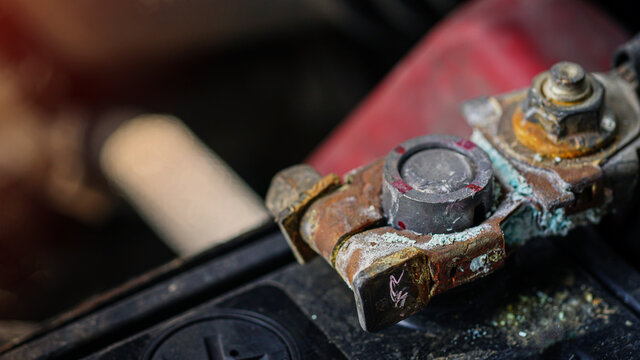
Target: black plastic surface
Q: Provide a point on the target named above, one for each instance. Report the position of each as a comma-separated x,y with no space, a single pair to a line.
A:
225,335
555,298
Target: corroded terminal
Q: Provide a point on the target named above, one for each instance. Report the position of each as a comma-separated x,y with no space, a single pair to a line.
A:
566,83
564,114
436,184
424,220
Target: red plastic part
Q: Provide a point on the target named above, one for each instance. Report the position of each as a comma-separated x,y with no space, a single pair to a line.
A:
486,47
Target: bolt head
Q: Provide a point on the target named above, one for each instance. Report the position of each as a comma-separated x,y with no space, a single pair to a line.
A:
566,73
566,83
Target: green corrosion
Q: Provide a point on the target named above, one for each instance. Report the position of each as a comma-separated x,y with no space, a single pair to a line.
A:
448,239
527,221
503,169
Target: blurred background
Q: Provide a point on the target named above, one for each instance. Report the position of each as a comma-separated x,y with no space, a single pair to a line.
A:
258,83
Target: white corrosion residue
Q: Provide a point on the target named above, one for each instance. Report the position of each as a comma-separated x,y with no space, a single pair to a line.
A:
370,247
371,212
395,238
448,239
480,264
503,169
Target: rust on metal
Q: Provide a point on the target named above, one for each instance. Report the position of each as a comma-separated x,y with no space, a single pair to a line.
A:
546,183
572,182
291,193
392,288
536,138
500,129
462,262
394,273
350,209
361,250
449,255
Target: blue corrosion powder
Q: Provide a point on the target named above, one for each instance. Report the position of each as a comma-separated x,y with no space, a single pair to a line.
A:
528,222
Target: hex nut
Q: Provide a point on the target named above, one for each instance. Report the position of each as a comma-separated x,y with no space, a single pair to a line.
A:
566,102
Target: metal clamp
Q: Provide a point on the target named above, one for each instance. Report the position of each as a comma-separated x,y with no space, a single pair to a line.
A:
441,211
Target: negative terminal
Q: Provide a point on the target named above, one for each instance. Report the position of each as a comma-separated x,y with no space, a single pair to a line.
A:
436,184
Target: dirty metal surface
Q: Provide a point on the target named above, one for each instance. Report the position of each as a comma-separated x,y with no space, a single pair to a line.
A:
564,114
348,210
498,126
394,272
373,262
574,184
292,191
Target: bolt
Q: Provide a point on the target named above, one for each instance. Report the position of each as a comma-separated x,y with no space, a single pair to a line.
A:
566,106
567,82
565,101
